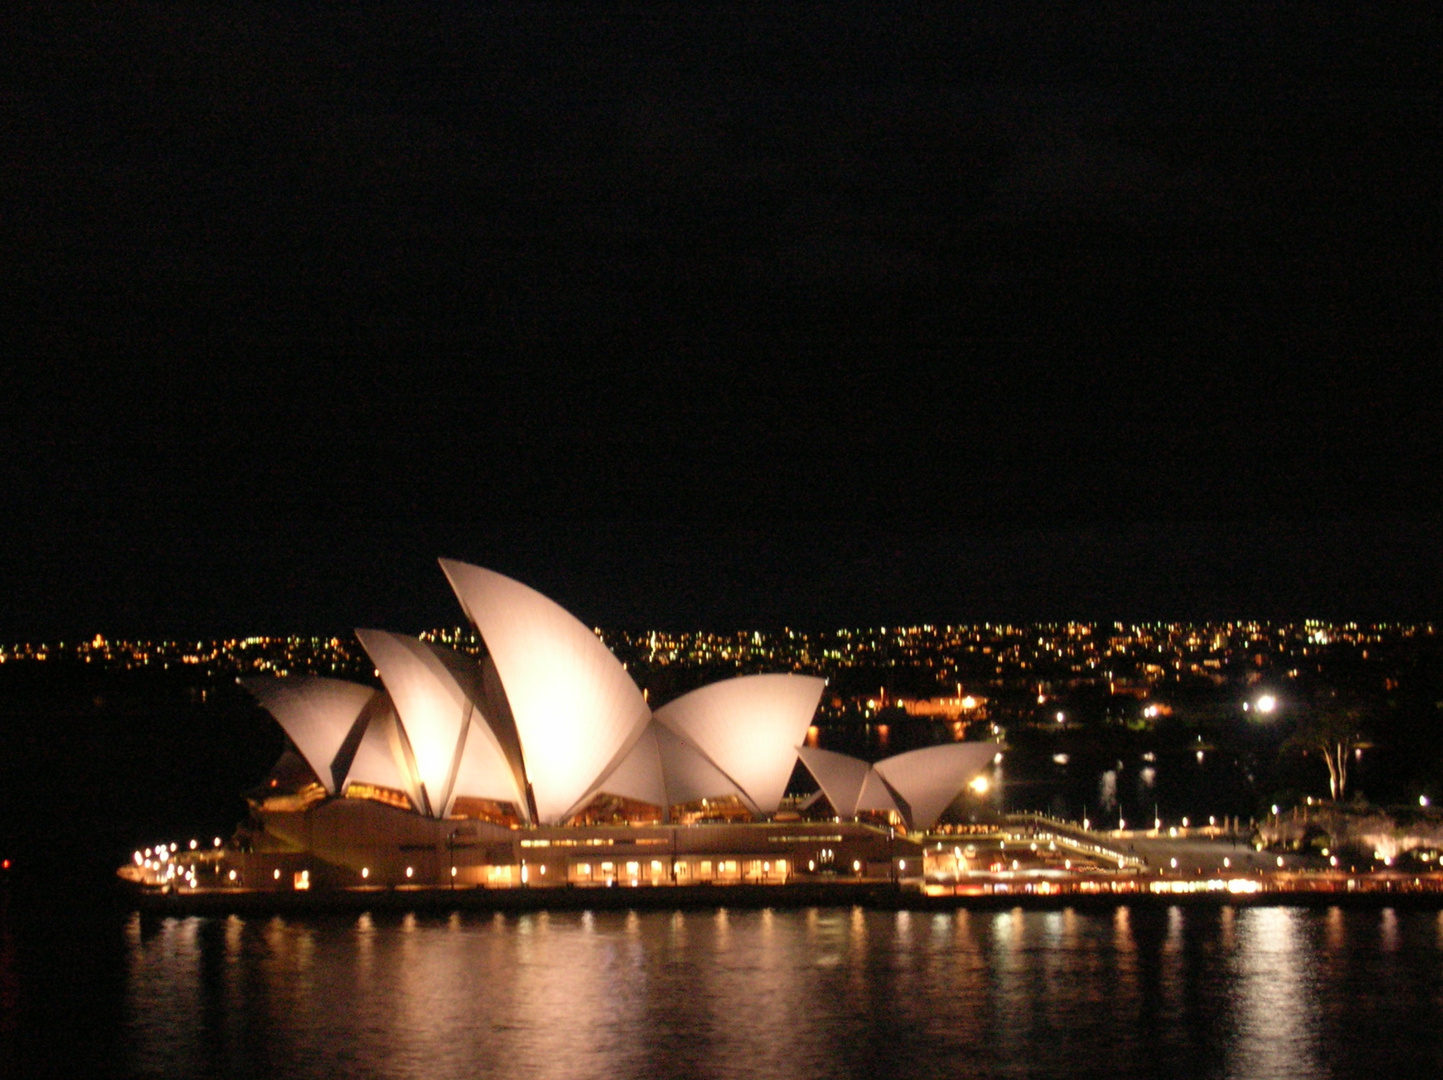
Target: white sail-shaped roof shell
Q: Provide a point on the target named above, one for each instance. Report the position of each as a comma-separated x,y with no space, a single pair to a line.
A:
483,772
875,796
690,777
929,779
576,710
383,756
638,775
317,713
749,728
841,776
455,749
663,770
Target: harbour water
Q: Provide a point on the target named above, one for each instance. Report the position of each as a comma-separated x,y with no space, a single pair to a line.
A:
1136,991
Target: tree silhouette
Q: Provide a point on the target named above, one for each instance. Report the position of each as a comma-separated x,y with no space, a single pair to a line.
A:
1335,725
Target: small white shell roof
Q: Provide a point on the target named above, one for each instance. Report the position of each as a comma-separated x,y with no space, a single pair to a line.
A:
454,747
749,728
317,713
576,710
841,776
875,796
929,779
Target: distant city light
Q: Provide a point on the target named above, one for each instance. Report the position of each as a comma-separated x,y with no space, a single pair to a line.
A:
1267,703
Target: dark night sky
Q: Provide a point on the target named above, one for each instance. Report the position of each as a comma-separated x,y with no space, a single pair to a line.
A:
718,313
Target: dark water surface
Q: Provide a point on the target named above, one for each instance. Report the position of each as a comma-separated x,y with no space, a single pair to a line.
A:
1143,991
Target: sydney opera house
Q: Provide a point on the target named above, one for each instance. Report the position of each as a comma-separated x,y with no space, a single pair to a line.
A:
540,763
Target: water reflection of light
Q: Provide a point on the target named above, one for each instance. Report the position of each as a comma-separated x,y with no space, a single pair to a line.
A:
1336,931
816,992
1273,1008
1388,930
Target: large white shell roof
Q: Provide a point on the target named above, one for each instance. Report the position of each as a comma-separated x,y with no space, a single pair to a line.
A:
663,770
316,713
383,757
577,712
456,750
748,728
929,779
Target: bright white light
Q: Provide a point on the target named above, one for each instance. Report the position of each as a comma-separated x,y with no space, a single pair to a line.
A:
979,784
1267,703
194,844
1422,800
409,871
1061,717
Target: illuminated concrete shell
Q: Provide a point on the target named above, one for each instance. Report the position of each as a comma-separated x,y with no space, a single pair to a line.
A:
456,748
383,755
841,777
663,770
318,714
929,779
749,728
875,795
925,781
577,712
850,784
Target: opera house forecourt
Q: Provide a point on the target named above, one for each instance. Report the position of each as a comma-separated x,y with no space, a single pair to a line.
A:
541,765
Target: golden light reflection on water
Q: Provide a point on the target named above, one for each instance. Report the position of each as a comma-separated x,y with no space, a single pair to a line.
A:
754,994
1273,1006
